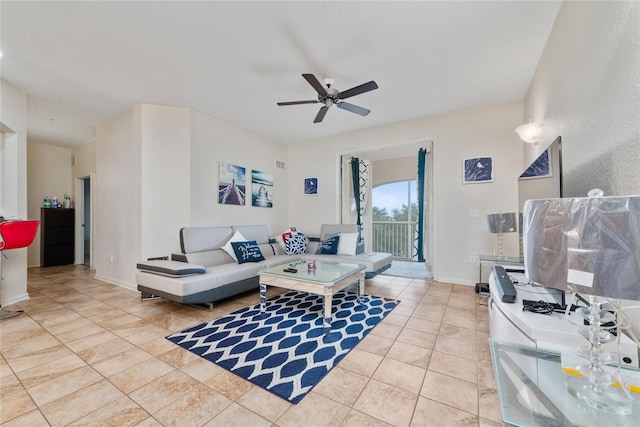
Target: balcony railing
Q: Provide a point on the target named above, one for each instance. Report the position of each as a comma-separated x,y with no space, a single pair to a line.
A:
394,237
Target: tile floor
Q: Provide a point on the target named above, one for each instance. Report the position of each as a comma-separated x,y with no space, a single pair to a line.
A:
87,352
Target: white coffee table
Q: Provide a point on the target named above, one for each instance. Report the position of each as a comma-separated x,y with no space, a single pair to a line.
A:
327,279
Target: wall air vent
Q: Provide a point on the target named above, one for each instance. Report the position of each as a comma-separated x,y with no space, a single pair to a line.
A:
279,164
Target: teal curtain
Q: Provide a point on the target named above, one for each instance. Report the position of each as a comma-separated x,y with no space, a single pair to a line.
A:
355,175
422,156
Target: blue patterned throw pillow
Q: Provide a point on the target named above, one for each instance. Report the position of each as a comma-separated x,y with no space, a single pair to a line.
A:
330,245
296,244
247,251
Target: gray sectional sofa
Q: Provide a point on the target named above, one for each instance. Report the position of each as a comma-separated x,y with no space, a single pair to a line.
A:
203,272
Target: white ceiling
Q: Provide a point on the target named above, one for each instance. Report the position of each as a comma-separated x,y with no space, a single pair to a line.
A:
83,63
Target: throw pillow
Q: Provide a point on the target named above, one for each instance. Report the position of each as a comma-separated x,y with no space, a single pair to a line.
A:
348,243
247,251
228,248
330,245
296,244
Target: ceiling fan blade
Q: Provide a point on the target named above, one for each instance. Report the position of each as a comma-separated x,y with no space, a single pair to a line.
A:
315,101
365,87
353,108
321,114
313,81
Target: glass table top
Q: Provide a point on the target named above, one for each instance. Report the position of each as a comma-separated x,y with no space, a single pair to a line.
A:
326,272
532,389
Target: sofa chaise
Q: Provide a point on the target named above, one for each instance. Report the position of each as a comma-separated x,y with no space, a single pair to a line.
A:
204,272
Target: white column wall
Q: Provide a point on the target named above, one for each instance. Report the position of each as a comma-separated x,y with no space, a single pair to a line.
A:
479,132
13,121
586,90
117,199
166,180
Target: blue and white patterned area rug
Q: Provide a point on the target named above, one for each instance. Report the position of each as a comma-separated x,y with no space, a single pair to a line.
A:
285,350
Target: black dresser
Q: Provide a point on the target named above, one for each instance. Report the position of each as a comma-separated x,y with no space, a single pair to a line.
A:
57,227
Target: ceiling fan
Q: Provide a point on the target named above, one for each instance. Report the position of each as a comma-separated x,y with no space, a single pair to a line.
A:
329,96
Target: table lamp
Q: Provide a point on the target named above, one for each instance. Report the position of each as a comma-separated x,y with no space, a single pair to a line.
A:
590,246
499,224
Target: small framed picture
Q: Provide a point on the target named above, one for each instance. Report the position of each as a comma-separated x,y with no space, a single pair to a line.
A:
311,186
477,169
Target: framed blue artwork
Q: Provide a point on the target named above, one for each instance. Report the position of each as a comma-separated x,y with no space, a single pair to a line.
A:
261,189
311,186
231,184
477,169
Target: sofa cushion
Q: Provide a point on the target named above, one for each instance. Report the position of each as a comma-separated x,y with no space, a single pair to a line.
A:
171,268
296,244
228,247
198,239
247,251
348,243
330,245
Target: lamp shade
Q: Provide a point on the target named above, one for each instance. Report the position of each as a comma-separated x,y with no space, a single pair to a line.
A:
530,132
584,245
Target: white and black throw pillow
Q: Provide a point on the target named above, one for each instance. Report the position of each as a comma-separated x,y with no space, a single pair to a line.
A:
296,244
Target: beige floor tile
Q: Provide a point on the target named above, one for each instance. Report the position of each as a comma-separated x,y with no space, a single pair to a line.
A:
27,347
456,348
458,333
104,350
396,319
423,325
64,385
264,403
138,334
5,369
417,338
230,385
376,344
430,413
358,419
409,353
122,412
60,328
91,341
489,404
38,357
451,391
121,361
15,405
454,366
237,416
30,419
56,317
486,377
81,403
178,357
161,392
202,370
81,332
390,404
322,411
10,385
483,422
361,362
342,386
150,422
140,375
399,374
386,331
195,408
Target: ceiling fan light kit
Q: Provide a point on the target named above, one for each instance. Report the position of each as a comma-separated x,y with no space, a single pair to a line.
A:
329,96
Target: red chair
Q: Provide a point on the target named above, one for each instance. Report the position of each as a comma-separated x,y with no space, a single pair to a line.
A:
15,235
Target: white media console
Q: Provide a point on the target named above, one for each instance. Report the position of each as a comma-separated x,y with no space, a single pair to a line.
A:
554,332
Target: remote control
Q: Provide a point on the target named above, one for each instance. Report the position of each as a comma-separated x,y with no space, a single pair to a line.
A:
290,270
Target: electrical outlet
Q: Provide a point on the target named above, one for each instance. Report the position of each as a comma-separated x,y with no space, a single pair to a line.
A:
473,213
472,259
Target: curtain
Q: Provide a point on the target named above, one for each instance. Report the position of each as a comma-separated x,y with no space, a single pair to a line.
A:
359,177
419,241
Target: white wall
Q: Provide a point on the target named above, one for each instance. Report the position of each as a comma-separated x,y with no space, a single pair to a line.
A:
49,175
214,141
13,182
485,131
157,170
165,174
117,216
586,90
